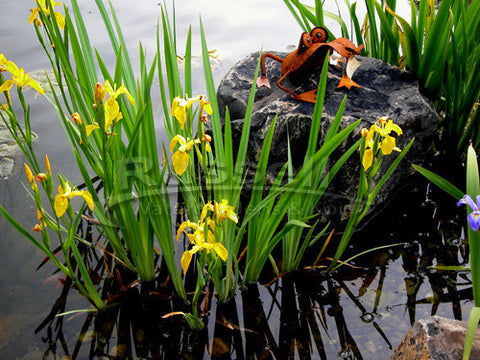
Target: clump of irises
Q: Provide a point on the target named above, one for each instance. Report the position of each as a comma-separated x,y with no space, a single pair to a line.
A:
109,121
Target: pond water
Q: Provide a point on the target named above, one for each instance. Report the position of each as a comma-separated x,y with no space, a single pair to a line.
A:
357,313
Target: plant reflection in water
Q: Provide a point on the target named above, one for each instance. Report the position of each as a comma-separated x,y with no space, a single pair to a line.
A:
304,314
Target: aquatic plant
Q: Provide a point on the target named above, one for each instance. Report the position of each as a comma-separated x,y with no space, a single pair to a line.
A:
297,200
375,144
473,191
437,46
125,196
63,227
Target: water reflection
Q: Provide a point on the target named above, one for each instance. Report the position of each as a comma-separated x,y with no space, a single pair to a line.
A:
360,312
300,316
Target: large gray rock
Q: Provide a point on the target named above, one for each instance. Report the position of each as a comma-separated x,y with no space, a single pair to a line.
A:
10,153
436,339
385,91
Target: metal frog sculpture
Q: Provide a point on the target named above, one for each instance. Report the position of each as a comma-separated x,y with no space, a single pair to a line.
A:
311,53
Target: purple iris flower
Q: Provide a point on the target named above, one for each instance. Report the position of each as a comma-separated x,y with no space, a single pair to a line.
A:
474,217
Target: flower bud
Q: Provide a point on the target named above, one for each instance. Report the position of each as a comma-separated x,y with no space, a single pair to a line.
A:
364,132
40,218
206,137
47,166
99,93
37,228
40,177
30,177
77,119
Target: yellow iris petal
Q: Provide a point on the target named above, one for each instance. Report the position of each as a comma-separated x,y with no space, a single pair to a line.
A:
181,158
33,15
367,159
179,110
112,113
90,128
208,108
177,139
393,127
221,251
180,161
387,145
123,90
207,207
60,19
184,225
36,86
86,196
187,258
60,205
185,261
7,85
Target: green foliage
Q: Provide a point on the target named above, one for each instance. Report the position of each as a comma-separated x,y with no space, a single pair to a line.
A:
473,190
307,195
371,180
437,46
126,171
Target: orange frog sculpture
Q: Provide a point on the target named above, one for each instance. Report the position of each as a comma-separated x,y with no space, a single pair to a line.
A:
311,52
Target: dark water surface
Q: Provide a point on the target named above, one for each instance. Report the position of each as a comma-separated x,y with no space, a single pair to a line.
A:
356,313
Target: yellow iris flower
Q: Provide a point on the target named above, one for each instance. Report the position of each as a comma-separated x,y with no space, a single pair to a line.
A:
46,9
115,92
204,103
19,77
220,212
62,198
111,106
385,129
387,143
180,106
198,241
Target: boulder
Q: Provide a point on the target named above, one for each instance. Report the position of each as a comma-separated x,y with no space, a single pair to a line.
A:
435,338
385,91
10,153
